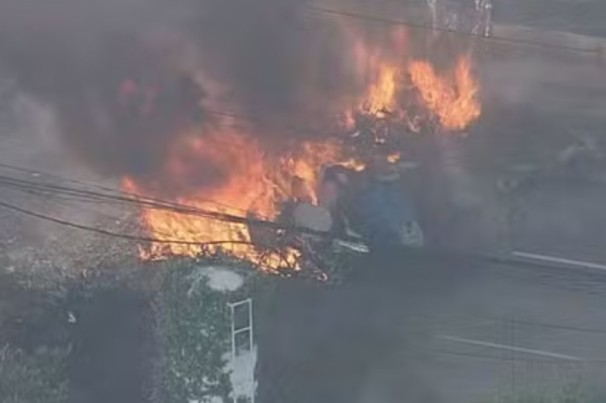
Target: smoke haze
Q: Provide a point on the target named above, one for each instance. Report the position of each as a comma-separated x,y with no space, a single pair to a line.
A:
127,78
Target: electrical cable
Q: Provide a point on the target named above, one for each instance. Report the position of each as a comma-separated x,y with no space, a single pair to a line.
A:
411,252
101,187
394,22
174,207
110,233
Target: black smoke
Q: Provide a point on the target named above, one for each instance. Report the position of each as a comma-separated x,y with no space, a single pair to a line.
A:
77,57
273,53
119,74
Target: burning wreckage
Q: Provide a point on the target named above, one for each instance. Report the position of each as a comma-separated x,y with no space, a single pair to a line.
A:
313,205
292,146
193,107
324,214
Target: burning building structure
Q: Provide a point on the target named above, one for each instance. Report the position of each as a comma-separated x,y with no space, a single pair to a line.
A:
247,177
264,134
237,109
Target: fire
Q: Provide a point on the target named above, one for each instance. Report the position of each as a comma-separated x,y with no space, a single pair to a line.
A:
249,181
381,96
402,88
256,185
394,157
245,186
454,101
305,165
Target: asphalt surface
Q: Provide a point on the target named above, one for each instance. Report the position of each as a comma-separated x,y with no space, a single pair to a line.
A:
435,331
448,331
579,16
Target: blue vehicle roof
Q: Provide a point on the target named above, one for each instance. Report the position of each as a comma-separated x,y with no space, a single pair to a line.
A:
386,204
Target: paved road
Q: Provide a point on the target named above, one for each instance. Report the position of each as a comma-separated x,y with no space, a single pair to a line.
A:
533,329
580,16
435,331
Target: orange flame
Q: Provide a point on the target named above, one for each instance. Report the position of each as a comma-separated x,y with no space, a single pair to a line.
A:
244,187
256,184
455,102
381,95
393,157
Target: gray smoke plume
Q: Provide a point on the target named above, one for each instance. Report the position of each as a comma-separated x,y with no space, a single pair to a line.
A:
114,73
76,56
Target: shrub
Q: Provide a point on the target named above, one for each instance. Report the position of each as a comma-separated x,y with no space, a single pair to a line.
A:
39,377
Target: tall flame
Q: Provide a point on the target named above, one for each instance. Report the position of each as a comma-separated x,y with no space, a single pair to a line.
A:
256,184
381,95
242,188
454,102
254,181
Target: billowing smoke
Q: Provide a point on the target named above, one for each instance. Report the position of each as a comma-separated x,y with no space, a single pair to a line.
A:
125,78
77,57
273,54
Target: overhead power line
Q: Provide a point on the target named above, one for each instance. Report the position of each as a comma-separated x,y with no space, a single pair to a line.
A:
115,191
428,253
158,204
395,22
111,233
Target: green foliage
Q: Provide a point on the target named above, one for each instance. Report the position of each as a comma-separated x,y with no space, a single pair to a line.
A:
39,377
193,325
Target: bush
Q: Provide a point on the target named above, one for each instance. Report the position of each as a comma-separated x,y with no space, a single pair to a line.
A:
39,377
193,329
